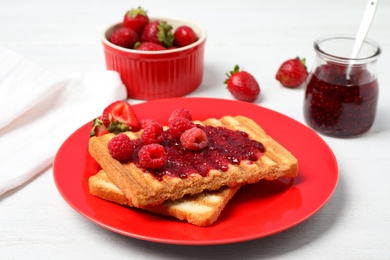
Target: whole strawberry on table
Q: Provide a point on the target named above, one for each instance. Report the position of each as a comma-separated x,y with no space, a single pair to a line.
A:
292,73
242,85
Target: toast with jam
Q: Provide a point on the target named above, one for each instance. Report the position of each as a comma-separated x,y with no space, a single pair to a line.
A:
238,152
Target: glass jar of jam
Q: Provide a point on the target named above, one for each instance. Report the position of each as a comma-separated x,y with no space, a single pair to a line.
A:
342,93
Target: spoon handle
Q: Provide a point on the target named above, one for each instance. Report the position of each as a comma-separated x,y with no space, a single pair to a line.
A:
364,27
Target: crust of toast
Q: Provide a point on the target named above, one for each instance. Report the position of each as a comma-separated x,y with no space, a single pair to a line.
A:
144,189
201,209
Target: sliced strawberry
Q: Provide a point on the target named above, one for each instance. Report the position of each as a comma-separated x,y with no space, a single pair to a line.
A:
98,128
120,117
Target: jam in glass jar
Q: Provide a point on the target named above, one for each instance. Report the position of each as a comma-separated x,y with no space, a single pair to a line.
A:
342,93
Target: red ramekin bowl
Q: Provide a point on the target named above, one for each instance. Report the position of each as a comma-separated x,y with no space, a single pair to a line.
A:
151,75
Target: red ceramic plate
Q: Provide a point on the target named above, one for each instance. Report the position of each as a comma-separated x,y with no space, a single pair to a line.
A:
257,210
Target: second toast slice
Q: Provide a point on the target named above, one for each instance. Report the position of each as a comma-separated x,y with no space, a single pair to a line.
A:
201,209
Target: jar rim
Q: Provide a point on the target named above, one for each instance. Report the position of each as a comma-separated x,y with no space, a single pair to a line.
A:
342,59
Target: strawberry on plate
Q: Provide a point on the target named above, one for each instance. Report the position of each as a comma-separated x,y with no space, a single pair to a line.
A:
292,73
159,32
119,116
98,128
242,85
136,19
184,35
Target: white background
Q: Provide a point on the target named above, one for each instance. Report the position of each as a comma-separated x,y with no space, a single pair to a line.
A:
63,36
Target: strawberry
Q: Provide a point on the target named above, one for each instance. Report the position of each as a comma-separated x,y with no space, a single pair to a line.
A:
98,128
136,19
149,46
124,37
184,36
242,85
159,32
292,73
119,117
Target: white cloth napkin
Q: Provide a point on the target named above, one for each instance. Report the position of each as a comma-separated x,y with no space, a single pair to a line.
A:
39,110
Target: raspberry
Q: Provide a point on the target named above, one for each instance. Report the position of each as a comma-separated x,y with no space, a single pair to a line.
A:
145,122
152,156
179,125
153,133
120,147
194,139
180,112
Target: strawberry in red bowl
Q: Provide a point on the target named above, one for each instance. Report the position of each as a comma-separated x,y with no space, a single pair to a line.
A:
158,68
136,19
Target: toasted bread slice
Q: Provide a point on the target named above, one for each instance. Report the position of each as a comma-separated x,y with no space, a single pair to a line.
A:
142,188
201,209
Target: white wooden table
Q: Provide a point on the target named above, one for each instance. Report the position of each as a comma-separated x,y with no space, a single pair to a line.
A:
63,36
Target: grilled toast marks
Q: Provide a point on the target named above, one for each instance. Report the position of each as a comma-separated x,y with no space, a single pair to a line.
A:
201,209
143,189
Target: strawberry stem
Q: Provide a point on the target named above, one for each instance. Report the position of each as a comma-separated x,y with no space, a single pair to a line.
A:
95,124
134,12
164,33
231,73
117,127
303,61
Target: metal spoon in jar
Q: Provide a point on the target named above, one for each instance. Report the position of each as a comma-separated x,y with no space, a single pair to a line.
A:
365,25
